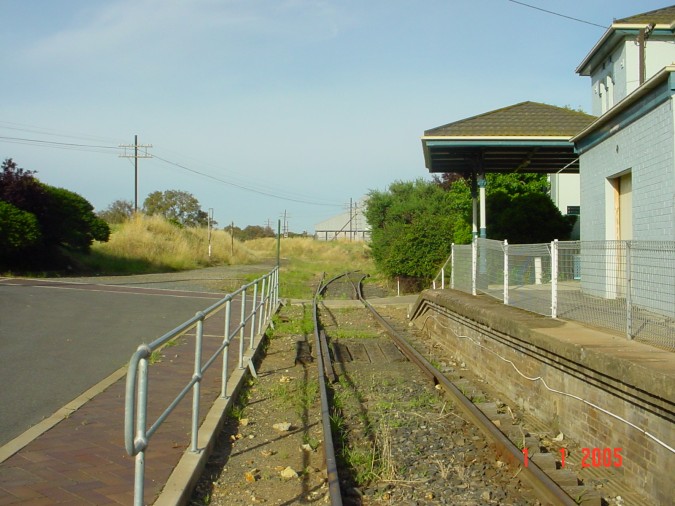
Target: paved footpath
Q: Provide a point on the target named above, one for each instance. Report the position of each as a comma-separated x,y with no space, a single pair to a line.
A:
78,455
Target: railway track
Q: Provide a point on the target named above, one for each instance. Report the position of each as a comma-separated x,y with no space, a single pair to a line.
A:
385,425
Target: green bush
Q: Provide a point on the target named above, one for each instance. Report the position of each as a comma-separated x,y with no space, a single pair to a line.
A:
19,230
413,225
71,221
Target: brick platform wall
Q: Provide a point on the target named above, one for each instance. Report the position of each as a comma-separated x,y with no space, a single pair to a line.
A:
538,348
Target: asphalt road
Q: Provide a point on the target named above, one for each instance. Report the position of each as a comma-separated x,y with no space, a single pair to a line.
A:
59,339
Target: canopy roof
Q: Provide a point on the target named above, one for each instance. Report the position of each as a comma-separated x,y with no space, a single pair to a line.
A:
525,137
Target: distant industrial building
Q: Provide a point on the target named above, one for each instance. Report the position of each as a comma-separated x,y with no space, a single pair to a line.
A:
350,225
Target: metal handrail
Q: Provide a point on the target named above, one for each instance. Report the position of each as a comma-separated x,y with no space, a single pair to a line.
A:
137,434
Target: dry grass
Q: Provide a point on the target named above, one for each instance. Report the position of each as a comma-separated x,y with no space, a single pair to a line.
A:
151,240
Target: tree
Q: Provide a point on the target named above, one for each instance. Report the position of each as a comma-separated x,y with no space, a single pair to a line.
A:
118,211
413,224
22,189
526,219
48,218
252,232
179,207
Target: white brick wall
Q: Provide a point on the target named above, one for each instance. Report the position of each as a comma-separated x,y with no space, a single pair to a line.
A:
646,148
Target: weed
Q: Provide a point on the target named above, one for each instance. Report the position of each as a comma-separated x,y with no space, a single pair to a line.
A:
424,400
311,441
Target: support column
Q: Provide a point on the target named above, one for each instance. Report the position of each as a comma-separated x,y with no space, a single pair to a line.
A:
481,185
474,203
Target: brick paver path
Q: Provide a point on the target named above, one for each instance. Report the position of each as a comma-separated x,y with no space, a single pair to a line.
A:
82,459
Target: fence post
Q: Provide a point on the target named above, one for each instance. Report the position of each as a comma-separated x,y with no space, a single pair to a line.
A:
474,264
443,278
506,272
629,301
554,278
452,265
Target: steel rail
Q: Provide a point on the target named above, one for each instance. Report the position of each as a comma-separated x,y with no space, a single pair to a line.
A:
547,489
328,446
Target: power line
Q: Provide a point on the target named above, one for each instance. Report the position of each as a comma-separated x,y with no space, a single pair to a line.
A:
62,145
558,14
20,127
243,187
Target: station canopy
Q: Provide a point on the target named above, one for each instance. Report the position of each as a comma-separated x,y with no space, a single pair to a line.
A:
525,137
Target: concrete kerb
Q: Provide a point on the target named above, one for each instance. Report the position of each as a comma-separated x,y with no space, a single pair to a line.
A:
178,488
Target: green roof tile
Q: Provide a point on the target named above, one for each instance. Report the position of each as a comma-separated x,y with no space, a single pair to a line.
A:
664,16
526,119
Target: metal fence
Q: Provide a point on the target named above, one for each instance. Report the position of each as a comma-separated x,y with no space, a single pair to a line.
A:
254,313
626,286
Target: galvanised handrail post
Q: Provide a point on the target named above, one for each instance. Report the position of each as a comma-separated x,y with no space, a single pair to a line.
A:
443,278
506,272
263,314
226,343
254,309
242,326
141,440
197,377
274,289
136,431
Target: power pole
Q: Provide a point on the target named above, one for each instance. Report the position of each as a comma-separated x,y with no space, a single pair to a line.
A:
285,217
136,156
351,228
209,218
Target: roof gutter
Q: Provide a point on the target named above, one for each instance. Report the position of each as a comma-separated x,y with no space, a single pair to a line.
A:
495,138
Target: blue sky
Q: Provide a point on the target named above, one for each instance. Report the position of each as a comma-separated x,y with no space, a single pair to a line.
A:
284,105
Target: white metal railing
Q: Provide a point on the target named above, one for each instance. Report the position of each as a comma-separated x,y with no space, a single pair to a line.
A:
627,286
137,433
